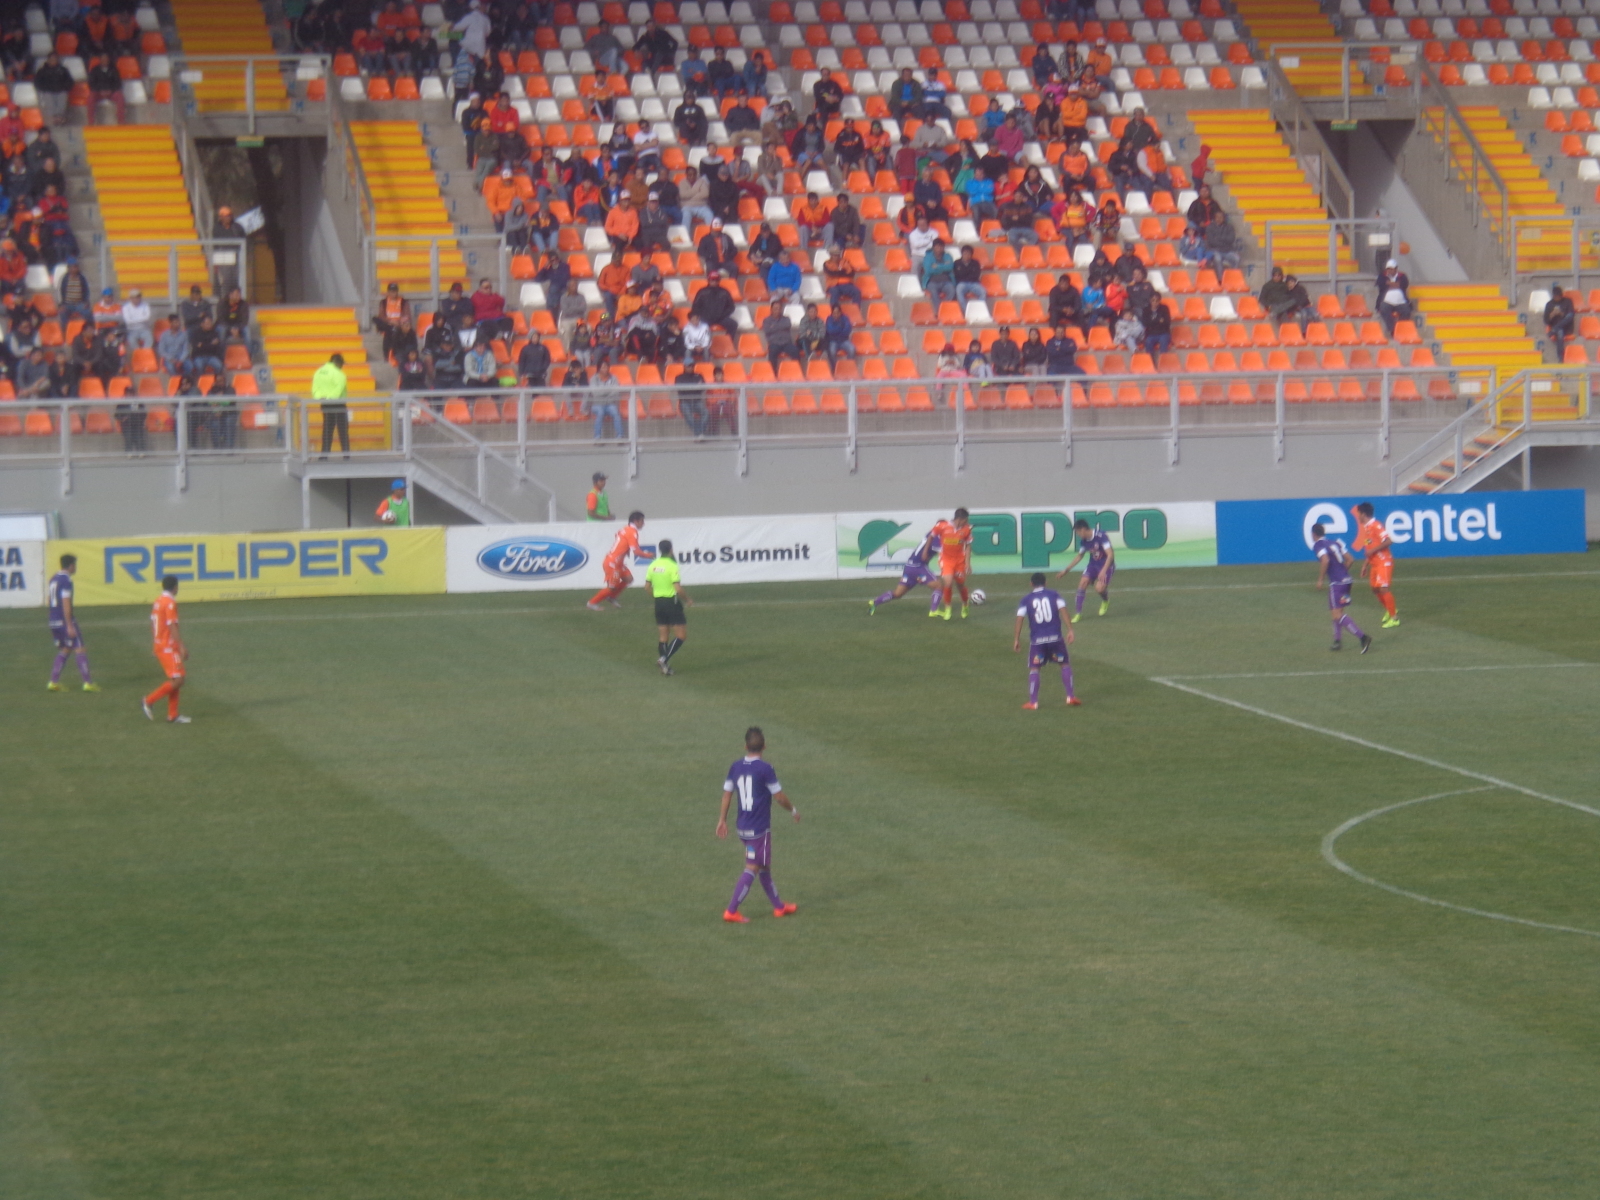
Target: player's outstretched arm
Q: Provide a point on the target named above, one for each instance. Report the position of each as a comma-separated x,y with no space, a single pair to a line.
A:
722,814
787,803
1076,559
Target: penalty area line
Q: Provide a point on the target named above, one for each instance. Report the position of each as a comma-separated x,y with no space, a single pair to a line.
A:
1383,671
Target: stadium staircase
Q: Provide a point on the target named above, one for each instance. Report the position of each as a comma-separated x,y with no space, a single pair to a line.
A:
1267,184
140,187
406,204
1475,326
297,340
1317,71
206,27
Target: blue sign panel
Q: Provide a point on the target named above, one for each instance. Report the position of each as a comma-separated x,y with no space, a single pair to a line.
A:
1468,523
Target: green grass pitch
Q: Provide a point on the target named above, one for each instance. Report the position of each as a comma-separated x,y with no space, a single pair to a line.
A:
426,901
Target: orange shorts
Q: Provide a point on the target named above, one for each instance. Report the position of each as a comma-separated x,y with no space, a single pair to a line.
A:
1380,572
617,575
171,664
956,569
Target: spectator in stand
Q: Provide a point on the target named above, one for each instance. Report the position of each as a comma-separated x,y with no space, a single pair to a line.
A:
1016,219
194,310
658,49
654,227
725,192
722,404
573,312
1560,317
810,336
839,277
54,84
755,72
919,240
1204,209
1129,331
225,276
696,338
949,367
172,347
814,221
136,320
905,96
105,87
837,331
828,97
107,310
612,282
717,250
714,305
764,249
689,120
474,29
937,273
722,77
489,313
622,225
692,400
935,99
845,222
392,309
1005,355
587,202
401,338
695,197
602,401
533,364
456,308
692,71
783,279
1394,295
929,196
1060,353
742,121
807,147
1283,300
13,268
205,350
1064,303
604,48
234,317
779,331
1010,139
1157,322
499,190
905,165
849,149
441,349
968,274
1153,173
1223,243
74,297
33,376
413,372
479,369
879,150
23,337
979,191
518,227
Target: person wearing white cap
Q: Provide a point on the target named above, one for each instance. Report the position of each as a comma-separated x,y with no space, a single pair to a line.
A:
1394,295
474,29
136,318
717,250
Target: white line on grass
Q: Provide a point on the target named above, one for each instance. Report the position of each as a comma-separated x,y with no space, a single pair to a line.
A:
1410,579
1383,671
1332,858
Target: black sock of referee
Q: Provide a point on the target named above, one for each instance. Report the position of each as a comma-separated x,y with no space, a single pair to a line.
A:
661,651
673,647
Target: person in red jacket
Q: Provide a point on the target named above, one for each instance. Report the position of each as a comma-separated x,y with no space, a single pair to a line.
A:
489,312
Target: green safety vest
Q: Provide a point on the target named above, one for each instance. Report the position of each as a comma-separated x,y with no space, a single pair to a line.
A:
602,507
400,510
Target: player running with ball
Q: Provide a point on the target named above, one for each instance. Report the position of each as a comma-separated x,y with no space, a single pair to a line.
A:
1096,543
756,784
955,560
1042,609
1333,567
915,573
1373,539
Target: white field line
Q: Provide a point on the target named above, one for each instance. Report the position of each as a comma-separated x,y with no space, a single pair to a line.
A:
1409,580
1331,856
1381,671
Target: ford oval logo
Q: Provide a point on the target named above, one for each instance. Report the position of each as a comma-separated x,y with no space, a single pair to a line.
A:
532,558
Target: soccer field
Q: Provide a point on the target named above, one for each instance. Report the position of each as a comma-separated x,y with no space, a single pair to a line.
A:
426,902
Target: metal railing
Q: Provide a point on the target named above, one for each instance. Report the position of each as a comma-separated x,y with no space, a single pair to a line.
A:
1563,250
294,72
1500,419
1316,158
219,258
1404,53
1339,232
483,255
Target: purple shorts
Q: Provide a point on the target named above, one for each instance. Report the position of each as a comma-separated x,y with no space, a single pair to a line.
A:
757,849
1045,652
1091,573
65,640
916,573
1338,595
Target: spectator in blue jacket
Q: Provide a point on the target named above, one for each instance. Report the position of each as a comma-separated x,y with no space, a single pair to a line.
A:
980,198
783,279
938,273
836,331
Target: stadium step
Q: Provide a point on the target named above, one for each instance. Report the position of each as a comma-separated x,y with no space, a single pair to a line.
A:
1316,71
1476,327
406,203
205,27
1268,185
298,340
142,198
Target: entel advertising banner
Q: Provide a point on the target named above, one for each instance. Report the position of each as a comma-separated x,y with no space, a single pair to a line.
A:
1454,526
258,566
21,574
511,558
1034,539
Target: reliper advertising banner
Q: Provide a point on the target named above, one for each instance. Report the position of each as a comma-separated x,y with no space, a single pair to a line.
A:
1461,525
569,555
1013,540
21,574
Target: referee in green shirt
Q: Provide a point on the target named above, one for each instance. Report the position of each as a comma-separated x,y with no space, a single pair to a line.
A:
666,585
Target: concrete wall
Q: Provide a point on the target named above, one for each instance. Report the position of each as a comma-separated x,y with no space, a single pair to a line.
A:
1368,156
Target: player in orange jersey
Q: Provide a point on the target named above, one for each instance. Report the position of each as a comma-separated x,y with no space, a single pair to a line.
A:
955,560
171,653
618,577
1378,569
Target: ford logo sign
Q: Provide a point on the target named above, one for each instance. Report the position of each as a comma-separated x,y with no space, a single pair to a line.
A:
532,558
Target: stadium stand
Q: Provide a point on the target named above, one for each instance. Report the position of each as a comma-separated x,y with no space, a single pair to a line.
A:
208,28
142,198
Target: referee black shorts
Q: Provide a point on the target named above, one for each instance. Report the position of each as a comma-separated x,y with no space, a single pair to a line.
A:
669,611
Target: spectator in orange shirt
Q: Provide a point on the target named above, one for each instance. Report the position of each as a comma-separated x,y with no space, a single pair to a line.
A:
498,193
815,221
612,281
622,224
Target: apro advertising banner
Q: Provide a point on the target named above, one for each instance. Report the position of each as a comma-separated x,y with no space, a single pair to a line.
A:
511,558
1034,539
1460,525
21,574
258,566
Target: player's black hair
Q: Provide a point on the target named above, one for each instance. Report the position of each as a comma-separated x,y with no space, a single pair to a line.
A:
1080,523
169,583
664,547
68,560
962,514
754,739
1319,529
1037,579
635,515
1364,509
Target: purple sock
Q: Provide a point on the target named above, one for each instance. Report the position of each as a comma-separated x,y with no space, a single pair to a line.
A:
1033,686
933,604
771,889
1338,628
1078,606
1344,619
55,670
741,890
1066,678
885,598
83,666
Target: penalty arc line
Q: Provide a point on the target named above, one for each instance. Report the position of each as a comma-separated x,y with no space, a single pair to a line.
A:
1331,857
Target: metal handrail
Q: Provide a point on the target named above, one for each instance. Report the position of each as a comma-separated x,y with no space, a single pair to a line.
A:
194,176
438,284
1346,51
186,64
1576,229
1289,110
1482,167
1335,228
207,248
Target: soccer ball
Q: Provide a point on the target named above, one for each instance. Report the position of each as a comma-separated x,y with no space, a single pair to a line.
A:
978,596
388,518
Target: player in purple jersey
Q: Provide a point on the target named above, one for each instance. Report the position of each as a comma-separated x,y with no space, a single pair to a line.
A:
1042,609
756,784
1096,543
64,627
916,572
1334,561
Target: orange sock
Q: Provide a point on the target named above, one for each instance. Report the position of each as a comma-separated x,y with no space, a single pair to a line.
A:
164,690
601,596
1388,602
172,703
962,584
